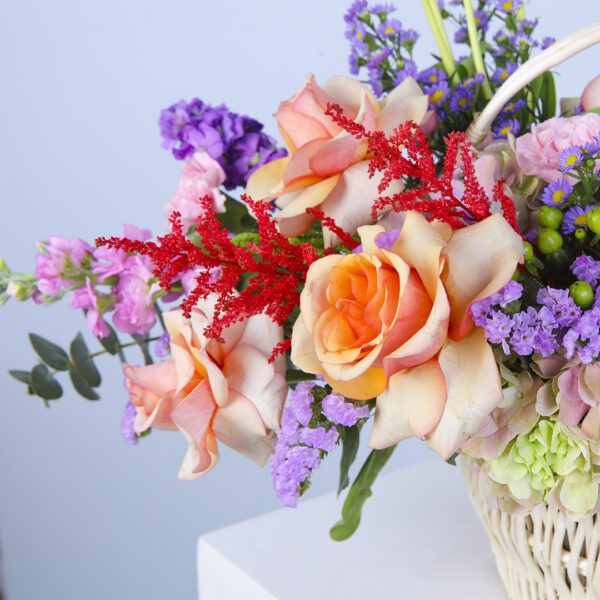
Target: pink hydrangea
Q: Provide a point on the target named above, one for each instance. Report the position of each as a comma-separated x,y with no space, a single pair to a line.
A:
201,177
52,263
537,152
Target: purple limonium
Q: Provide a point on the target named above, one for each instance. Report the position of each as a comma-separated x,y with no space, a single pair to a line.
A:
127,425
338,411
575,218
161,348
569,158
585,268
564,310
506,126
501,74
557,193
299,448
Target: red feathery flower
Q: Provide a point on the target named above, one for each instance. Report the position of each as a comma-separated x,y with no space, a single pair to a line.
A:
407,154
275,269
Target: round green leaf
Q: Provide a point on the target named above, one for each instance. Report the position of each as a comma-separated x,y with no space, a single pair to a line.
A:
43,384
80,355
54,356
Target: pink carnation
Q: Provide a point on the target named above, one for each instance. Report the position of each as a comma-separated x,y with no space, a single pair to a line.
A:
201,177
538,151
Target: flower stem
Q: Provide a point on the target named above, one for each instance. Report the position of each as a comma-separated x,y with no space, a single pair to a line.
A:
434,16
476,48
293,376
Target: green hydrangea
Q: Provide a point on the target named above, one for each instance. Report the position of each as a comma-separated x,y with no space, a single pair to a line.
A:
550,458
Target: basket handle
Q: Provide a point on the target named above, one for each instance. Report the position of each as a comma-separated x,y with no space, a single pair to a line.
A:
553,55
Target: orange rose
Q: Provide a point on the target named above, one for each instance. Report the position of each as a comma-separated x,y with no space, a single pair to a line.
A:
328,167
213,391
395,324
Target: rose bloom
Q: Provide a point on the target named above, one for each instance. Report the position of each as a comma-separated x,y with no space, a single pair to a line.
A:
201,176
393,322
538,151
590,98
327,168
213,391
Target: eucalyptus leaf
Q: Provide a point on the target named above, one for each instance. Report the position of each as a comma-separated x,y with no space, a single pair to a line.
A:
84,363
359,493
111,342
19,375
82,387
43,383
350,444
54,356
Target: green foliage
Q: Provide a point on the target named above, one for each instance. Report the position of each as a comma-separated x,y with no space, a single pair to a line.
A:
111,342
54,356
43,383
359,493
82,387
142,341
236,217
350,439
83,363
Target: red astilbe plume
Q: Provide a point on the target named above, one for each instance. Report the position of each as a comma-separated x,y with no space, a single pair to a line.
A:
330,224
406,154
276,269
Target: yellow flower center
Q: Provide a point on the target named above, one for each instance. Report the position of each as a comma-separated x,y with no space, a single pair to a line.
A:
437,96
504,75
506,130
359,34
581,220
462,102
571,160
557,196
389,30
508,5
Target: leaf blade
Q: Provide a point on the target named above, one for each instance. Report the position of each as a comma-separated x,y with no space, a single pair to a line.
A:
350,444
43,383
54,356
83,362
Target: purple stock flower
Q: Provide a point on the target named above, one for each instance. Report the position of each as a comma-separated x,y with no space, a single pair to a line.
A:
57,261
338,411
127,425
235,141
557,193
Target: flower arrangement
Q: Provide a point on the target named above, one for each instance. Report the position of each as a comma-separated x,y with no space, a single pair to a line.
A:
379,267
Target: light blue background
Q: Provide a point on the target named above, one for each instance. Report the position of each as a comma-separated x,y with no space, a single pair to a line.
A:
81,514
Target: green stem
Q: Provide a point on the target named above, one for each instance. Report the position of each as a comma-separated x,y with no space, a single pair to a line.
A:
159,314
434,16
476,48
293,376
127,345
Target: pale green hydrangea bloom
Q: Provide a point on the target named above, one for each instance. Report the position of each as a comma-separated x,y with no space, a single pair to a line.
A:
550,459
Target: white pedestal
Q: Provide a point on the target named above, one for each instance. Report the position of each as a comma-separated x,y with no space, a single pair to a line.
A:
419,540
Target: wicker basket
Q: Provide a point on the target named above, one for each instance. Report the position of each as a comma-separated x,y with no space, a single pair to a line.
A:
543,555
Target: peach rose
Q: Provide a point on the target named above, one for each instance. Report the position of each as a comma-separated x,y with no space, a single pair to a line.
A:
213,391
327,167
590,98
393,322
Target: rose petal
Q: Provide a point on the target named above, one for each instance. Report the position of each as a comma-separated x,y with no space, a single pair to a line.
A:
411,406
267,181
406,102
474,389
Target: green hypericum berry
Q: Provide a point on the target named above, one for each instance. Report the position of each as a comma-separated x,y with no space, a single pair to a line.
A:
582,294
580,234
593,220
527,251
550,216
590,163
549,241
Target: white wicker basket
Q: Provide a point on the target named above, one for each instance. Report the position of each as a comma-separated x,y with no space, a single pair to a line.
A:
543,555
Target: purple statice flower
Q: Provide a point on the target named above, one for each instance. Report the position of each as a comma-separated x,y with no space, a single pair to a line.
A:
575,218
461,100
86,299
387,239
524,330
235,141
585,268
506,126
57,262
301,401
340,412
127,425
161,348
508,6
319,437
512,291
569,158
501,74
557,193
560,303
291,466
498,327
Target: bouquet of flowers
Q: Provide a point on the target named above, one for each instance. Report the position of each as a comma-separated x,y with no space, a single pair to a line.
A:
397,261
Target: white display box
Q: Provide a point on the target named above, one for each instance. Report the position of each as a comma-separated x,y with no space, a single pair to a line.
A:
419,540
